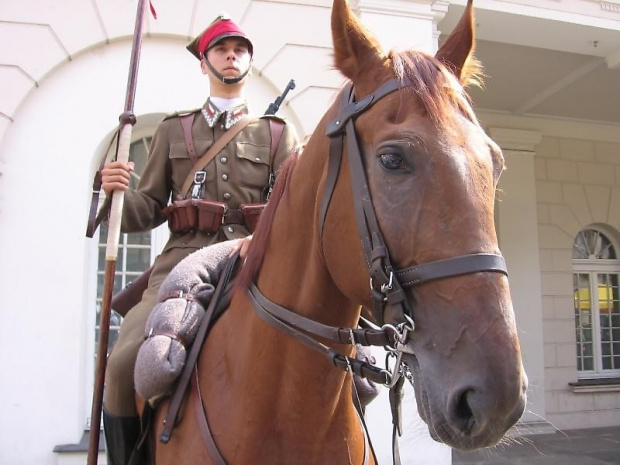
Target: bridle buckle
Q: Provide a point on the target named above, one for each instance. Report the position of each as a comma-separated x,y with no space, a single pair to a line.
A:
390,285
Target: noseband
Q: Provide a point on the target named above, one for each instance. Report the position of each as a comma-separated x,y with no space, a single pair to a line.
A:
390,307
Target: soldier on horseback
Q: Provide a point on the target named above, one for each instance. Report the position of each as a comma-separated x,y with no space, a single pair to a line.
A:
206,198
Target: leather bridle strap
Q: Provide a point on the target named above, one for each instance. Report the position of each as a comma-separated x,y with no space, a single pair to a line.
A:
267,310
381,271
353,109
365,337
348,110
203,423
464,264
336,147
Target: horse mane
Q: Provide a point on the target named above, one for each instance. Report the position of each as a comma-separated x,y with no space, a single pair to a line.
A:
436,86
260,237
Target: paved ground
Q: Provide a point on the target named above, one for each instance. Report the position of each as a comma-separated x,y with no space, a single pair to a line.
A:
598,446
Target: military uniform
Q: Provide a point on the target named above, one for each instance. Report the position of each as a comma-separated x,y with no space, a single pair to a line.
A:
239,174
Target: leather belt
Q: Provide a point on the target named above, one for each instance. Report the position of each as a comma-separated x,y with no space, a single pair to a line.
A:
233,216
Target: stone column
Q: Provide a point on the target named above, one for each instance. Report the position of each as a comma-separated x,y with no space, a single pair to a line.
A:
517,225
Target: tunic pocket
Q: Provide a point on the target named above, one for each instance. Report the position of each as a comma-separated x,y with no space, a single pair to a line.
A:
180,164
178,150
252,165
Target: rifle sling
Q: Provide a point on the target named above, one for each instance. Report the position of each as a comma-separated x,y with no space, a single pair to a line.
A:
94,217
213,151
276,128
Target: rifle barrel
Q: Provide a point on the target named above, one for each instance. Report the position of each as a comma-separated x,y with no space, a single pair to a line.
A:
273,107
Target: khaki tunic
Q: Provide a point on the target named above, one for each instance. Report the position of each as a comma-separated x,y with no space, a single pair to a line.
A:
238,174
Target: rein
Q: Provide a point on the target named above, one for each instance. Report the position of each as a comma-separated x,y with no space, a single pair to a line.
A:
390,307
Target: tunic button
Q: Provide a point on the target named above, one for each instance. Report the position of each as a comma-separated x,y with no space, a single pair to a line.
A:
230,229
227,196
224,160
225,177
257,159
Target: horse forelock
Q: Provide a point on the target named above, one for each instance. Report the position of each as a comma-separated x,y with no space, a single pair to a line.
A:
440,92
260,237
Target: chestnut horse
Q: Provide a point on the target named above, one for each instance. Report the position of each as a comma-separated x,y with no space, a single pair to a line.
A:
421,198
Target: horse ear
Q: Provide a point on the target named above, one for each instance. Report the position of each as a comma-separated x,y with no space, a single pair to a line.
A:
457,50
354,45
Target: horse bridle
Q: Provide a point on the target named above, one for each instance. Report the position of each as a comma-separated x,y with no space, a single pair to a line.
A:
390,308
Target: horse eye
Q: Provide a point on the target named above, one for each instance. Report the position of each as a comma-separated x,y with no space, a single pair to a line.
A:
392,161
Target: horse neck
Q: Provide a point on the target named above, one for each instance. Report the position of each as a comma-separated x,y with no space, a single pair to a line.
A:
294,272
308,387
265,390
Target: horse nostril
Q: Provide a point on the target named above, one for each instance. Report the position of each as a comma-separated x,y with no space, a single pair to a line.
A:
461,414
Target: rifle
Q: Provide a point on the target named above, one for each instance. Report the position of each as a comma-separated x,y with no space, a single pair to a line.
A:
273,108
127,120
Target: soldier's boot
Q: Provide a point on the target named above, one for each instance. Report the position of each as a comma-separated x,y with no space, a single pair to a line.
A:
121,437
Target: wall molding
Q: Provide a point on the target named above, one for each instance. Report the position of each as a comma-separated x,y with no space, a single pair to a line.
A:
400,8
516,139
610,5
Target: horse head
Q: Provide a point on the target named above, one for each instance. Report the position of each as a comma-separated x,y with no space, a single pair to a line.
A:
432,174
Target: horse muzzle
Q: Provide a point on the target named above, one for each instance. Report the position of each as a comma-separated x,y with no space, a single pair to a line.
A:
468,412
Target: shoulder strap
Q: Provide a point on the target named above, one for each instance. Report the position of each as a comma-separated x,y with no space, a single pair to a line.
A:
213,151
186,122
276,128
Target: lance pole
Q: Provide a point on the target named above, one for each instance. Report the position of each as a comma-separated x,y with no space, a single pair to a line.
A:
127,120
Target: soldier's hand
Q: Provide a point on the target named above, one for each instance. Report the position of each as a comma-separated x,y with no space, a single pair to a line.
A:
243,246
115,176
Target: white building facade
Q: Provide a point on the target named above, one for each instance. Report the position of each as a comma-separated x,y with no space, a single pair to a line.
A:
552,102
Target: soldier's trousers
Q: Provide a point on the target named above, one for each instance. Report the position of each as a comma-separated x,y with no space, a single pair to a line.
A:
119,396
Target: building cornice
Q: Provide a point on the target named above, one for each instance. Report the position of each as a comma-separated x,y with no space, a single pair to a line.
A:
515,139
610,5
419,9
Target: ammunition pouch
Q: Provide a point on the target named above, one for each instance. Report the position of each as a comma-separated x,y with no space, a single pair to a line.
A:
207,216
251,213
210,215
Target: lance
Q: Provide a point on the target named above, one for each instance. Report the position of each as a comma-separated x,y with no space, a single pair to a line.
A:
127,120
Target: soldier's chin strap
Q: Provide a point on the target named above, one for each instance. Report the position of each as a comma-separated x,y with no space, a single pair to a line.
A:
224,79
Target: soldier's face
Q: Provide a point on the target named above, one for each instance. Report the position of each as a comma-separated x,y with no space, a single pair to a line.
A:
230,57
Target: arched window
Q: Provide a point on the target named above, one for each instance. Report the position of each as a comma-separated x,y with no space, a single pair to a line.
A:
596,272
